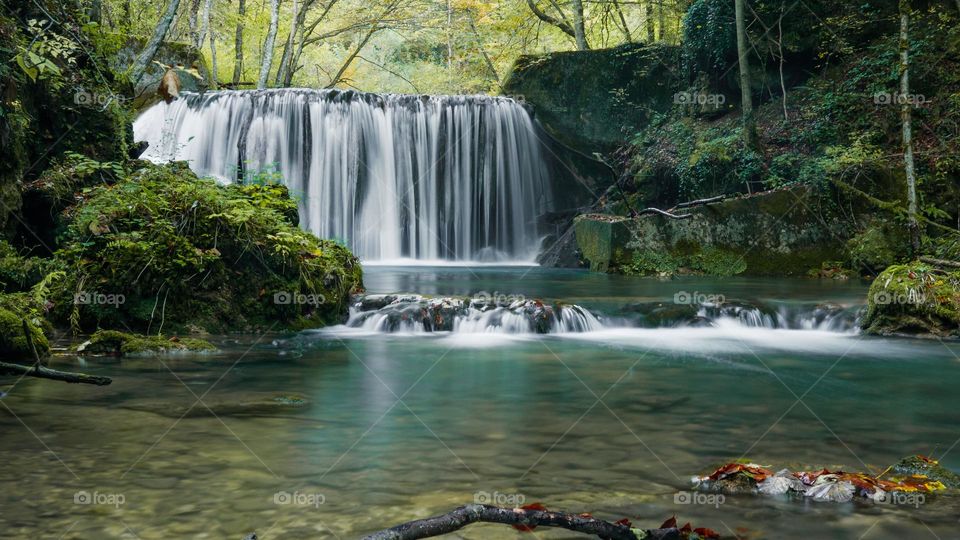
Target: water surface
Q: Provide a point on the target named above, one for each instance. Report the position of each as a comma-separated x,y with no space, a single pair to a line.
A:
400,427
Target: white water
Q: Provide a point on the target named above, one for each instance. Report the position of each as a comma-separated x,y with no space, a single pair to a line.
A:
452,178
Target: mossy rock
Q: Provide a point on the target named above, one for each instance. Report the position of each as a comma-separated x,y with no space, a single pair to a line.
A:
173,249
124,344
13,340
775,233
590,99
914,299
921,465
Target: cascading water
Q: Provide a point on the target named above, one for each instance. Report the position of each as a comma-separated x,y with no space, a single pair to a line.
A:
418,314
422,177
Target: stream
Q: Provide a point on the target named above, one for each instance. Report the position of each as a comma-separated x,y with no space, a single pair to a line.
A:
339,432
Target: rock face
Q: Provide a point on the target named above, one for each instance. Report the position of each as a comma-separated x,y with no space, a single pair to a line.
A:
782,232
578,94
914,299
187,62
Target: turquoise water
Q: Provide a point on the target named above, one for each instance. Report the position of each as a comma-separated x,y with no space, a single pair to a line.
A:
398,427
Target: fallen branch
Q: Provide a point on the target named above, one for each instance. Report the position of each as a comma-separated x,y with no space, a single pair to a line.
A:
647,211
699,202
47,373
476,513
940,262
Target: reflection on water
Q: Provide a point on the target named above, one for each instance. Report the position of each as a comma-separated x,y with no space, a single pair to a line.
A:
398,427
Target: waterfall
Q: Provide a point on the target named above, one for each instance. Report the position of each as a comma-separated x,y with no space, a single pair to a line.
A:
459,178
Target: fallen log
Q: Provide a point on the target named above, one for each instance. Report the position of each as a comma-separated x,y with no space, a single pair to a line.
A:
940,262
47,373
526,518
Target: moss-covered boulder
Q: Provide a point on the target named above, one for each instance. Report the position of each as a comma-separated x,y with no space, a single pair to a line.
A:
592,100
13,340
166,251
113,342
778,233
914,299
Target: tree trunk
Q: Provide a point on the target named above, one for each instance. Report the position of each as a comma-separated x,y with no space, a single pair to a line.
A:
483,50
208,6
906,117
204,25
353,55
783,84
193,22
267,59
661,21
304,36
288,45
648,21
623,22
238,44
142,61
748,122
579,31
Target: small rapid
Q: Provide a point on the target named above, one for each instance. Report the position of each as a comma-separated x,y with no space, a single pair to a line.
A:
416,314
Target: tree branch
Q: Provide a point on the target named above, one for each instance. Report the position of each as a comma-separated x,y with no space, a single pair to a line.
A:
47,373
566,28
477,513
648,211
699,202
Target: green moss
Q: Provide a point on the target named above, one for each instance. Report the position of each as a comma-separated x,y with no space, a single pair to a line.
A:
14,309
652,263
126,344
164,249
877,247
914,299
18,272
932,469
577,94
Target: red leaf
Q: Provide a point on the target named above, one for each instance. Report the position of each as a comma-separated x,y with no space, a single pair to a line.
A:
704,532
625,522
686,529
670,523
534,506
524,528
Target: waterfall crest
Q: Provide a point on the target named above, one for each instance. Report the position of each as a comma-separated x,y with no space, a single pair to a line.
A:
460,178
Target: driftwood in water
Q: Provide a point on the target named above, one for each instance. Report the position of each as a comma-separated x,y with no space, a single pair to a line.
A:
37,370
476,513
47,373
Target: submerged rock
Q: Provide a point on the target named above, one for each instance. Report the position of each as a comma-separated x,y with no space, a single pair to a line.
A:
248,404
